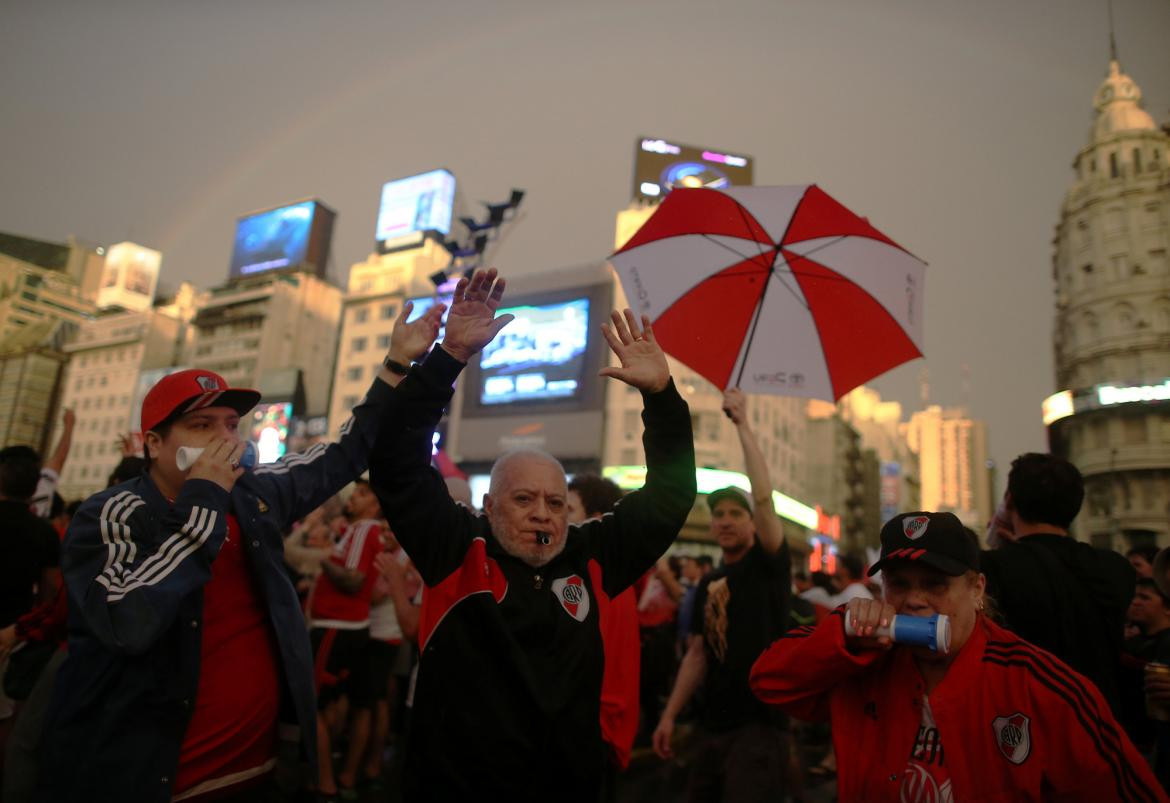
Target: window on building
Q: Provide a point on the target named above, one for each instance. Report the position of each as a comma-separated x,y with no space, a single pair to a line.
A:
361,315
1137,160
389,311
1157,261
354,374
712,426
631,423
1134,430
383,341
358,344
1100,430
1113,170
349,402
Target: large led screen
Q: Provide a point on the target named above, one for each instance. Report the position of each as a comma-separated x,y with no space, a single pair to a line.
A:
660,166
538,356
294,236
414,205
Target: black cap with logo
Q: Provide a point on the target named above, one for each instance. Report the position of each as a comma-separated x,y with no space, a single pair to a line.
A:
938,540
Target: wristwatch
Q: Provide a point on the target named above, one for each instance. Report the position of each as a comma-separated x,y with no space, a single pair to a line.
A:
395,367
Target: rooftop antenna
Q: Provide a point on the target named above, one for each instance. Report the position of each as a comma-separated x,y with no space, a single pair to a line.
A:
1112,39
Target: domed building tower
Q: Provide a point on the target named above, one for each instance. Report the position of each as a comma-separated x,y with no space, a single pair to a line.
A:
1112,328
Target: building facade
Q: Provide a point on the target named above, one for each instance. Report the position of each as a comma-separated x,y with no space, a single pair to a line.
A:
274,332
954,465
374,296
111,359
879,424
43,281
32,360
1111,334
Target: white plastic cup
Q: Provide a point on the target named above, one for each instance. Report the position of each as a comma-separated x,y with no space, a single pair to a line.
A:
185,456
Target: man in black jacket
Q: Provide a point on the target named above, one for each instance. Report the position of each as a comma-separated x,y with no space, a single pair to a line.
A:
508,695
1052,590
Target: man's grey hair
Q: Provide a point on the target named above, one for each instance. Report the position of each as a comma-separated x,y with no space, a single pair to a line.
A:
504,461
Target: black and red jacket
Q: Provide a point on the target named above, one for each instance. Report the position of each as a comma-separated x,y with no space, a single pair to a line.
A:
509,684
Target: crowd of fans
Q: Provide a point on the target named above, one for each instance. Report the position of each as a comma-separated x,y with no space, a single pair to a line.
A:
307,630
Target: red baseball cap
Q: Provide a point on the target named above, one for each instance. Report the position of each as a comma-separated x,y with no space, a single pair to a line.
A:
193,389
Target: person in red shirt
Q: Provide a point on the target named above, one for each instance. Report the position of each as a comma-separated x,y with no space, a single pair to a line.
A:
992,718
591,497
339,619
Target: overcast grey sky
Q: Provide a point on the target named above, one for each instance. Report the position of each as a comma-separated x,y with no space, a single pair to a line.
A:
951,124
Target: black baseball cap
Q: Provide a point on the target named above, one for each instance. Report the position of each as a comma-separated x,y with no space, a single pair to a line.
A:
730,492
938,540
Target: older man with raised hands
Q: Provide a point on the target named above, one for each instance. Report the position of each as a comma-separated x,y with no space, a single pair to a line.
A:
509,684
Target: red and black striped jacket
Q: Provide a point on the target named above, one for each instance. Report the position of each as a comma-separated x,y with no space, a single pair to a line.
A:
1015,722
507,702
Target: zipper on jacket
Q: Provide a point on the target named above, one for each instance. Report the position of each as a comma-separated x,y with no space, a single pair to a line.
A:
537,582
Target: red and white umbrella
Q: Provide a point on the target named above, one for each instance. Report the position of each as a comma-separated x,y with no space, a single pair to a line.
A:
775,289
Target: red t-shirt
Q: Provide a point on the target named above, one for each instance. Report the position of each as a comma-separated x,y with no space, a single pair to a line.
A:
231,738
619,683
927,779
329,606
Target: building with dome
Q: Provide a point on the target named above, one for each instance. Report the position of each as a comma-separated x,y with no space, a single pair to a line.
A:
1112,328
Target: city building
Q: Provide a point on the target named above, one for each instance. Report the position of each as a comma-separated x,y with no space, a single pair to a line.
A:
273,331
954,467
47,290
878,423
32,359
375,293
841,476
44,281
113,361
1111,335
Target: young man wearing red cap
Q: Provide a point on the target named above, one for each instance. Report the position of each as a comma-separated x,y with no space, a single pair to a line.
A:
187,645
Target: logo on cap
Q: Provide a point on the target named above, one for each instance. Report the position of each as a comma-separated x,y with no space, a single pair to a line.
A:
914,527
208,383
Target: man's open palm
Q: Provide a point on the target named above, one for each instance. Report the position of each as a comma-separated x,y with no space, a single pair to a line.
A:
472,321
643,363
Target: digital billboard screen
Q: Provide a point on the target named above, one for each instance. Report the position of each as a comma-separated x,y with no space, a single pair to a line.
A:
414,205
296,236
538,356
660,166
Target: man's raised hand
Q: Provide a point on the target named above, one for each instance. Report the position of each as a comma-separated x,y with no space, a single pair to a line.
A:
735,405
643,363
471,323
410,341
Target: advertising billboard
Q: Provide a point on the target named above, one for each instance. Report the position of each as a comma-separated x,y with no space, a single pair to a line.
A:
268,429
130,277
660,166
412,206
538,356
536,385
293,237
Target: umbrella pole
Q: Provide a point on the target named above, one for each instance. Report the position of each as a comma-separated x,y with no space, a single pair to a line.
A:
756,317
